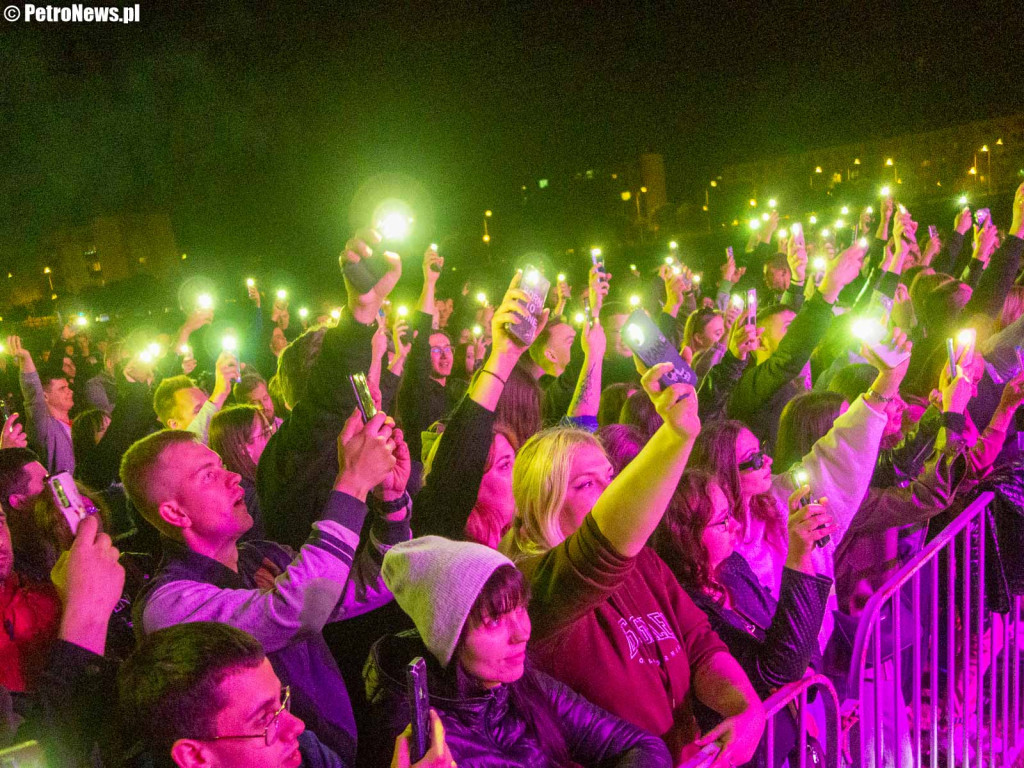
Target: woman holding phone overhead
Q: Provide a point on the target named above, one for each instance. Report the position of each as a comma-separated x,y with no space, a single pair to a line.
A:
609,619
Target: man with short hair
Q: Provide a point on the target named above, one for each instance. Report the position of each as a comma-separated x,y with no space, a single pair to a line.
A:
205,694
180,404
48,401
182,488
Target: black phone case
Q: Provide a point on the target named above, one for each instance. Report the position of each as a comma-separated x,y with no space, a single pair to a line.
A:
655,349
419,708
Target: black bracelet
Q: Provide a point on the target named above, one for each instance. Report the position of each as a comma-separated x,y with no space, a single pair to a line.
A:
492,373
390,507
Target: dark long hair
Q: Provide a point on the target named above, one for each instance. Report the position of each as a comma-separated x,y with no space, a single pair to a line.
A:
715,452
506,590
679,538
805,420
519,406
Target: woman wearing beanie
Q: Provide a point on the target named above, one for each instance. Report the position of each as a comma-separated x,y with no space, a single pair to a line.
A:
609,618
468,603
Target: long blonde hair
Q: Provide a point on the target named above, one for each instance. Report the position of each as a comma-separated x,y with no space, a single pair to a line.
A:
539,483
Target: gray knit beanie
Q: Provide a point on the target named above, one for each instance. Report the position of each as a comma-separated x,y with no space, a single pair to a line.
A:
437,581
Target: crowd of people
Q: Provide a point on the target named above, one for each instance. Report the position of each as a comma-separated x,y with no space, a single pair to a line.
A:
226,558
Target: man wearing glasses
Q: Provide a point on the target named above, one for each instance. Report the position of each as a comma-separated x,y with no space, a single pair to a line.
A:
205,694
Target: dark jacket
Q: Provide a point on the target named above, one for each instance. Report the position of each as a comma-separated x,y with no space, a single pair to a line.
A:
297,469
421,400
489,728
761,393
449,494
773,642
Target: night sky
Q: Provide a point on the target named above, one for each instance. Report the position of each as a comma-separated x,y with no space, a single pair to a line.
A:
256,124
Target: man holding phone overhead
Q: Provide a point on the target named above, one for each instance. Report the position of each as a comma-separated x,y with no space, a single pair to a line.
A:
181,488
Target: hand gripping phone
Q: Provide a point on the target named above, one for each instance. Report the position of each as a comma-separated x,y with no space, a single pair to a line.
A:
801,478
649,344
536,286
419,708
69,501
364,400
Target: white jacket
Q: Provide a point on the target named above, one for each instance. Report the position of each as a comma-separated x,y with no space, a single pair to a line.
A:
839,466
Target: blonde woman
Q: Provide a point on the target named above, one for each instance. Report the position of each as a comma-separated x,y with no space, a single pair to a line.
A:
609,619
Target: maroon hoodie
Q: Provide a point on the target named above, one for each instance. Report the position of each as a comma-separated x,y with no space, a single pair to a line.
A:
620,631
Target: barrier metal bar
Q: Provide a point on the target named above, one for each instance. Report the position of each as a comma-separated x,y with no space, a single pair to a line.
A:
975,739
777,704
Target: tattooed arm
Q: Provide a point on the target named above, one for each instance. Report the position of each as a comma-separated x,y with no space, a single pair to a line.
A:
587,397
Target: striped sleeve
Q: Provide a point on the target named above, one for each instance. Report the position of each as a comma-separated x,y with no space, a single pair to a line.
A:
303,598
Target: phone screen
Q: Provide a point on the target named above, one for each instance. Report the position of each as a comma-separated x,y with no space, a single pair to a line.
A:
752,307
536,286
364,400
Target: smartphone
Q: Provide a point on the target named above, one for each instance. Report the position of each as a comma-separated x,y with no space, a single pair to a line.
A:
26,755
419,708
364,400
951,358
933,232
68,500
536,287
597,260
965,344
649,344
797,232
800,479
752,306
728,253
982,216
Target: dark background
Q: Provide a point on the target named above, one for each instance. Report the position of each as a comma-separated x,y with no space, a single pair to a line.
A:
265,129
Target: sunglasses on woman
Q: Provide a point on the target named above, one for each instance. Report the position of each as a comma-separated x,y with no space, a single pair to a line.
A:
756,461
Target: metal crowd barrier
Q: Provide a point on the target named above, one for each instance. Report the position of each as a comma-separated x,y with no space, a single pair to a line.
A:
950,695
778,703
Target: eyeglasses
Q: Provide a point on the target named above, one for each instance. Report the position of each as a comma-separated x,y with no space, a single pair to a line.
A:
440,350
269,735
756,461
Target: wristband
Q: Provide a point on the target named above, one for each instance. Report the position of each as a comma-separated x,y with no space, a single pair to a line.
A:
881,398
492,373
390,507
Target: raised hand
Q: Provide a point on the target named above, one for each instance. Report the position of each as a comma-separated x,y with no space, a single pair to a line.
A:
807,525
887,384
744,338
841,270
433,263
366,454
1017,224
93,585
675,403
597,289
12,435
730,272
985,240
796,256
963,221
394,483
20,354
513,306
359,248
